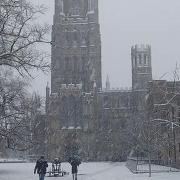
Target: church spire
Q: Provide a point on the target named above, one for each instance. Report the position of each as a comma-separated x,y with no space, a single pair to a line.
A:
108,85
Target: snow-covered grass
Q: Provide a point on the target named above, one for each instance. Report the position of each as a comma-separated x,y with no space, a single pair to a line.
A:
11,161
87,171
155,168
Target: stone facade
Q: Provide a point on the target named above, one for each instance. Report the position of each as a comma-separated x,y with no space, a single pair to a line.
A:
76,45
83,118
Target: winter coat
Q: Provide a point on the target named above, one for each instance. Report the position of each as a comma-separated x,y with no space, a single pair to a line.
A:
74,165
41,166
75,158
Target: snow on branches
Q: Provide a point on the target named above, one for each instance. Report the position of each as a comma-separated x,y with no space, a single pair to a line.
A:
20,35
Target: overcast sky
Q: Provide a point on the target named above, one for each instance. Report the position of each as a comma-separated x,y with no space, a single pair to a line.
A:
128,22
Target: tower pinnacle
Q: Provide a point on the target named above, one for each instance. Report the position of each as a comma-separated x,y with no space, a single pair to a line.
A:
108,85
141,66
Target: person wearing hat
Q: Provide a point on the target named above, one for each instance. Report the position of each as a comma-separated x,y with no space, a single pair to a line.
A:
40,167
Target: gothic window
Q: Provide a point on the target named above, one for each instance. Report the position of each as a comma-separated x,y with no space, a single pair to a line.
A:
83,39
106,102
145,60
75,38
134,61
83,43
91,4
75,10
140,59
61,6
85,7
66,5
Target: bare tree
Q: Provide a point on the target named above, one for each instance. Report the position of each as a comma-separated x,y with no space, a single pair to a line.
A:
17,112
20,35
158,134
162,123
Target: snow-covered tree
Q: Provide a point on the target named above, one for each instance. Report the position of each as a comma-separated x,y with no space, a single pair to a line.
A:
20,35
17,112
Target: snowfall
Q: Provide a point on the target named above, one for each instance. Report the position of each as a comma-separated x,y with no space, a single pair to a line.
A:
87,171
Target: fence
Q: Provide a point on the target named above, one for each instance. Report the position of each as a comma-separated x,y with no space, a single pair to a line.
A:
141,165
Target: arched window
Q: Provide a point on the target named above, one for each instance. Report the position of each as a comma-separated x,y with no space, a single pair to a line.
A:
145,60
140,59
83,39
61,6
91,5
134,62
75,8
66,6
75,38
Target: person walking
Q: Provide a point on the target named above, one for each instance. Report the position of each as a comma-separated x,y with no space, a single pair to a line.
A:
40,167
75,162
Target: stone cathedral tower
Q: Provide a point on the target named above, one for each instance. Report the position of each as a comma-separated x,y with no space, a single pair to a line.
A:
76,45
75,76
141,67
141,76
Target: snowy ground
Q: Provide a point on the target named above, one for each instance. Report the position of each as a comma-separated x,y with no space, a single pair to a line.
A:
11,160
87,171
155,168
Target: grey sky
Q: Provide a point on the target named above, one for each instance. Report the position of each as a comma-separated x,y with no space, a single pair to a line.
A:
128,22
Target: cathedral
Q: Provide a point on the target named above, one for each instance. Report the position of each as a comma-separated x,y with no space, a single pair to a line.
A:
82,117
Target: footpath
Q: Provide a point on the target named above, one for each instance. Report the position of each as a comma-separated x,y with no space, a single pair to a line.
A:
87,171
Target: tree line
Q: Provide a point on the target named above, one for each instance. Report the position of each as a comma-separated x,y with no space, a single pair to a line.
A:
20,36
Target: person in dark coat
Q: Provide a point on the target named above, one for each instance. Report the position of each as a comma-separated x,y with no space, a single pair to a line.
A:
40,167
75,162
